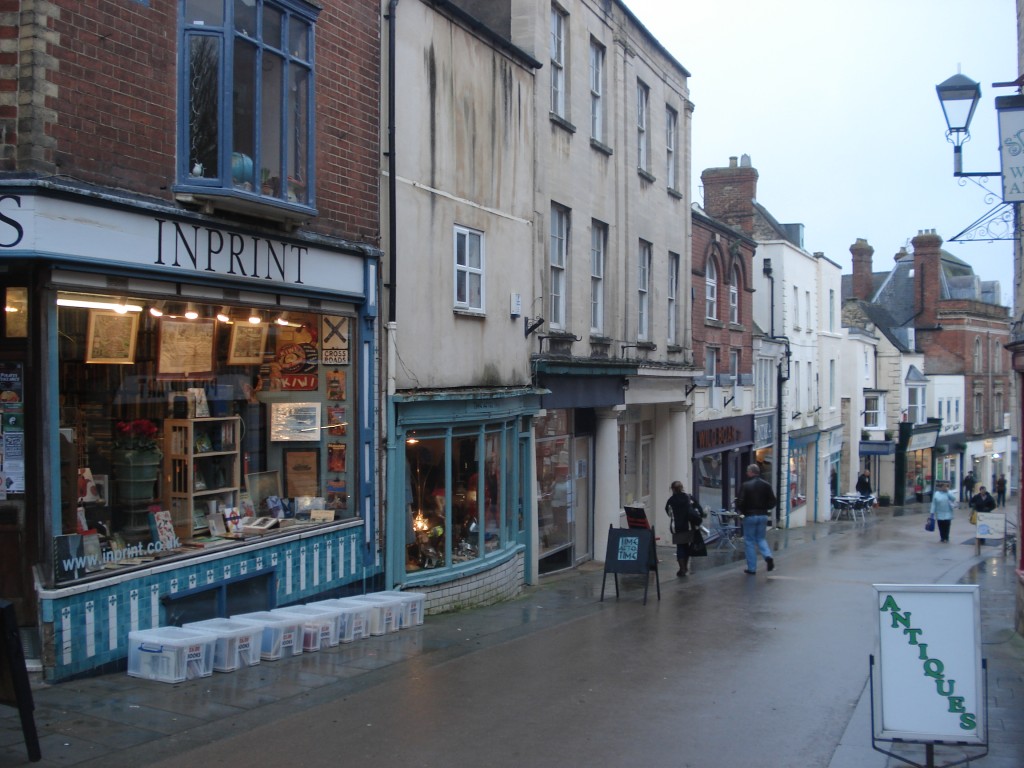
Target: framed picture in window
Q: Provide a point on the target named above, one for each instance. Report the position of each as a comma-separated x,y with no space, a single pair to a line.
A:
247,343
186,348
262,486
296,422
111,337
301,472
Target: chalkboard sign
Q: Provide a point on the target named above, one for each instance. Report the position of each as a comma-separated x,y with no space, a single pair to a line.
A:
631,550
14,687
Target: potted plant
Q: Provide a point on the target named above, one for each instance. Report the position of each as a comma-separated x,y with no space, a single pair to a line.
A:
136,459
865,435
884,500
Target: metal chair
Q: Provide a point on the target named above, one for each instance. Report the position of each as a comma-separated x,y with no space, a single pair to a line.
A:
727,528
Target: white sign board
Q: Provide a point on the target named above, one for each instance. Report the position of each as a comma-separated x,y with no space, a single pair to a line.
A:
1011,149
991,525
929,685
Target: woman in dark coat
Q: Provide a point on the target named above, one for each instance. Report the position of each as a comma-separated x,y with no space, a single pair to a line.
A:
681,511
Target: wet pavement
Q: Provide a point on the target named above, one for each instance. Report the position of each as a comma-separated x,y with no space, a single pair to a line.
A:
724,669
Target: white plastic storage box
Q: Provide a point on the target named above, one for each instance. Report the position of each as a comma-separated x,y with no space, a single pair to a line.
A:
353,618
410,604
282,635
238,642
331,628
170,654
383,612
314,626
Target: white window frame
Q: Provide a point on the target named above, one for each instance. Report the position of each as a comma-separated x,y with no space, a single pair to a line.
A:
977,355
764,386
979,413
807,297
832,384
643,291
559,265
872,412
597,55
734,371
557,54
643,100
711,291
796,308
673,292
831,310
916,404
598,247
671,139
997,411
467,273
734,296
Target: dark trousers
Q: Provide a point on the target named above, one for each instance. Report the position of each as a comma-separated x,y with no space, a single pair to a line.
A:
1001,498
943,529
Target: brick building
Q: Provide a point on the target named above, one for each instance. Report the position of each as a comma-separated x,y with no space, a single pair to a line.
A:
189,200
948,410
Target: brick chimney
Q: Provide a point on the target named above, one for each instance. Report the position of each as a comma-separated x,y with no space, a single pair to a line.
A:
729,194
927,263
862,269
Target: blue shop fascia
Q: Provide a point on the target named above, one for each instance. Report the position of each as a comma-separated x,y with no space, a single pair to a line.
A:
188,424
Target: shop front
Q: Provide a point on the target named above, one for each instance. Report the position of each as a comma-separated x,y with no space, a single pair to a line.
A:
192,429
915,461
803,460
722,448
461,478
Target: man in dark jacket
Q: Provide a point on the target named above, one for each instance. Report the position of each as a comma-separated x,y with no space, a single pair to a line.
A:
755,503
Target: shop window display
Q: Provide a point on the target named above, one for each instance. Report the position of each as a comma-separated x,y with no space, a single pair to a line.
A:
456,496
185,426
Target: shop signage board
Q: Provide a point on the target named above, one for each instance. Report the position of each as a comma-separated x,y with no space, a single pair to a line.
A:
928,682
177,247
631,550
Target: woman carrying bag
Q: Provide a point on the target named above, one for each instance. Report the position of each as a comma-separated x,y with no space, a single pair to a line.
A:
685,524
943,504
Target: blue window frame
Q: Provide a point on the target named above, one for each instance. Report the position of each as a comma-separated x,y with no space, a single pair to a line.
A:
246,105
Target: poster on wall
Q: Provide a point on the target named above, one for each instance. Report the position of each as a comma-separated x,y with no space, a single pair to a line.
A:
12,429
296,358
335,340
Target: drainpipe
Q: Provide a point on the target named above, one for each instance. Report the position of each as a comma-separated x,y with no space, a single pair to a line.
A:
392,187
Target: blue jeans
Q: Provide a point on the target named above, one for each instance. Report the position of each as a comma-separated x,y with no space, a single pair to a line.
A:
755,528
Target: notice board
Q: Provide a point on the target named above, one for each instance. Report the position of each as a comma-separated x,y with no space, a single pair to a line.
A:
631,550
929,682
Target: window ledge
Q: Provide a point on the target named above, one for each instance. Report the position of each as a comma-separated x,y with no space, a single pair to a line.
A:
646,175
208,201
673,192
466,312
561,122
601,147
713,322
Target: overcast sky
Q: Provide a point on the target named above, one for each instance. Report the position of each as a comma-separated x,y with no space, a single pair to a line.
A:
835,103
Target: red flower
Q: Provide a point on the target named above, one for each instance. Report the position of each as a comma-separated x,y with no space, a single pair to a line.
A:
140,433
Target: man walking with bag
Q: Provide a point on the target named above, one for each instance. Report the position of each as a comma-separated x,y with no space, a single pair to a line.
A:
755,503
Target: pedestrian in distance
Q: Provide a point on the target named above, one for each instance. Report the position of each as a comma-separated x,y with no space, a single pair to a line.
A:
968,486
982,501
1001,491
864,483
756,500
685,518
943,504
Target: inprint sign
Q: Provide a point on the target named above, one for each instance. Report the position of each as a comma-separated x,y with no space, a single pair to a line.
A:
929,685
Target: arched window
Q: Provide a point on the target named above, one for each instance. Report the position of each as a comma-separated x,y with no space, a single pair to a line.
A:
977,355
997,357
711,291
734,296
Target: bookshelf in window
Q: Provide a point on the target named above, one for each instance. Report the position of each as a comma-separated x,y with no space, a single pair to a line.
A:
201,468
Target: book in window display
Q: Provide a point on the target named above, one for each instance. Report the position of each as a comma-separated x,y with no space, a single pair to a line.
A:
336,457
